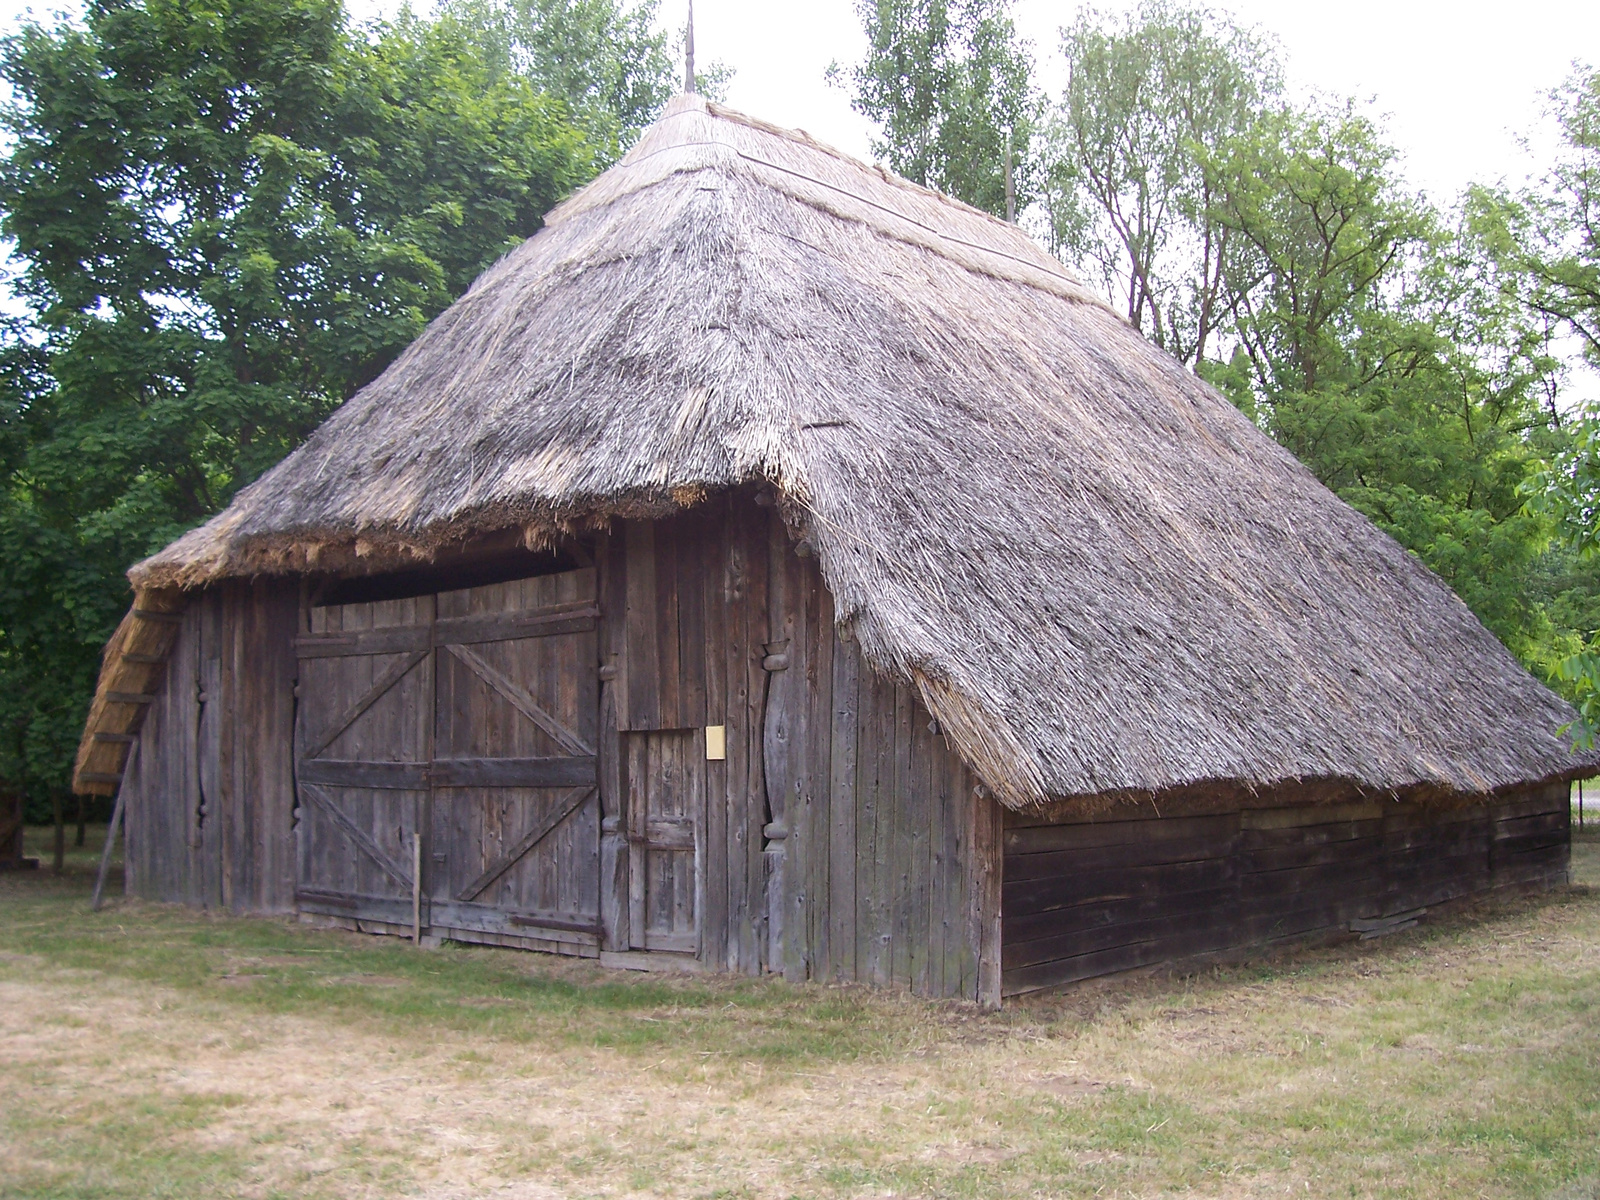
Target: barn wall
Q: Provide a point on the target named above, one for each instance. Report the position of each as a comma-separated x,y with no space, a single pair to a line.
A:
844,839
1091,898
209,792
160,784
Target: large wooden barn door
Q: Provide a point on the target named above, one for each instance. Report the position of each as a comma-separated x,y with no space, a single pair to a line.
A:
468,717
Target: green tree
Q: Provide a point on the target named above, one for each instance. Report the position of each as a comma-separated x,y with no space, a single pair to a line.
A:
1553,231
1559,225
1128,193
228,218
610,63
948,83
1381,347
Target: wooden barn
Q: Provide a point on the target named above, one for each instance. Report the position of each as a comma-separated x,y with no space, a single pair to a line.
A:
776,566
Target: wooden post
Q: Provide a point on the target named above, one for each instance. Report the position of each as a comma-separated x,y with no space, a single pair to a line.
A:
105,853
416,887
82,822
688,55
1011,198
61,835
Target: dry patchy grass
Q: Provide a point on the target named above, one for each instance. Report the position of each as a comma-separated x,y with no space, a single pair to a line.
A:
151,1051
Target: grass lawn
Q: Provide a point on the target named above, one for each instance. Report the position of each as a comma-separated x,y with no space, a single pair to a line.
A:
151,1051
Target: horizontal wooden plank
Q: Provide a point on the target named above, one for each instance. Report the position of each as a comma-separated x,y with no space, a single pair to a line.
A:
665,833
1074,943
503,627
1309,835
97,777
148,660
1268,859
160,618
130,697
1043,839
576,617
1215,845
1514,827
336,772
579,928
1342,875
1313,814
1021,927
399,639
1201,938
574,771
1554,800
1037,895
543,921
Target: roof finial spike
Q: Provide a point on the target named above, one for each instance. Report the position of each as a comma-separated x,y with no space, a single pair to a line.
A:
688,55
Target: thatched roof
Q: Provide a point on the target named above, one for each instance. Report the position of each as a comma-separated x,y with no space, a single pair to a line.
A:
1102,577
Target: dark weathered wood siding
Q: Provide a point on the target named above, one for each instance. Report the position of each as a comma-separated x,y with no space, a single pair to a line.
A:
1089,898
843,838
838,838
210,788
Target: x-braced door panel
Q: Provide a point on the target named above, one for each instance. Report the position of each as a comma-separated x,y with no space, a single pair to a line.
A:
516,819
363,738
470,716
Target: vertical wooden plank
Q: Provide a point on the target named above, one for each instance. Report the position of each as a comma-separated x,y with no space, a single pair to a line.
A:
715,574
798,901
844,737
228,810
871,920
693,550
986,850
951,901
753,527
271,763
612,582
637,751
925,976
696,803
742,954
818,774
642,659
782,750
613,899
907,819
668,671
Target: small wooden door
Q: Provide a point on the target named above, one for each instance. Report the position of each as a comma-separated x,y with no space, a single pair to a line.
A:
666,788
469,717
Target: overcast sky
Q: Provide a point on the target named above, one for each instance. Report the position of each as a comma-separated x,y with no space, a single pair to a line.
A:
1458,82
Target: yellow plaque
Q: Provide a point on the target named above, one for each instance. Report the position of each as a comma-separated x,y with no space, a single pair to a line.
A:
716,743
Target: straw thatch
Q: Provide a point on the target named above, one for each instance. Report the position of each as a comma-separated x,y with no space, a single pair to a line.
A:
1102,578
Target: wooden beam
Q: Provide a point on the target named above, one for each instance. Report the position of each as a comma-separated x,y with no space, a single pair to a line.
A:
146,614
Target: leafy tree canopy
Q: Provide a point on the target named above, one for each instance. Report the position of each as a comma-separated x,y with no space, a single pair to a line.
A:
228,217
949,84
